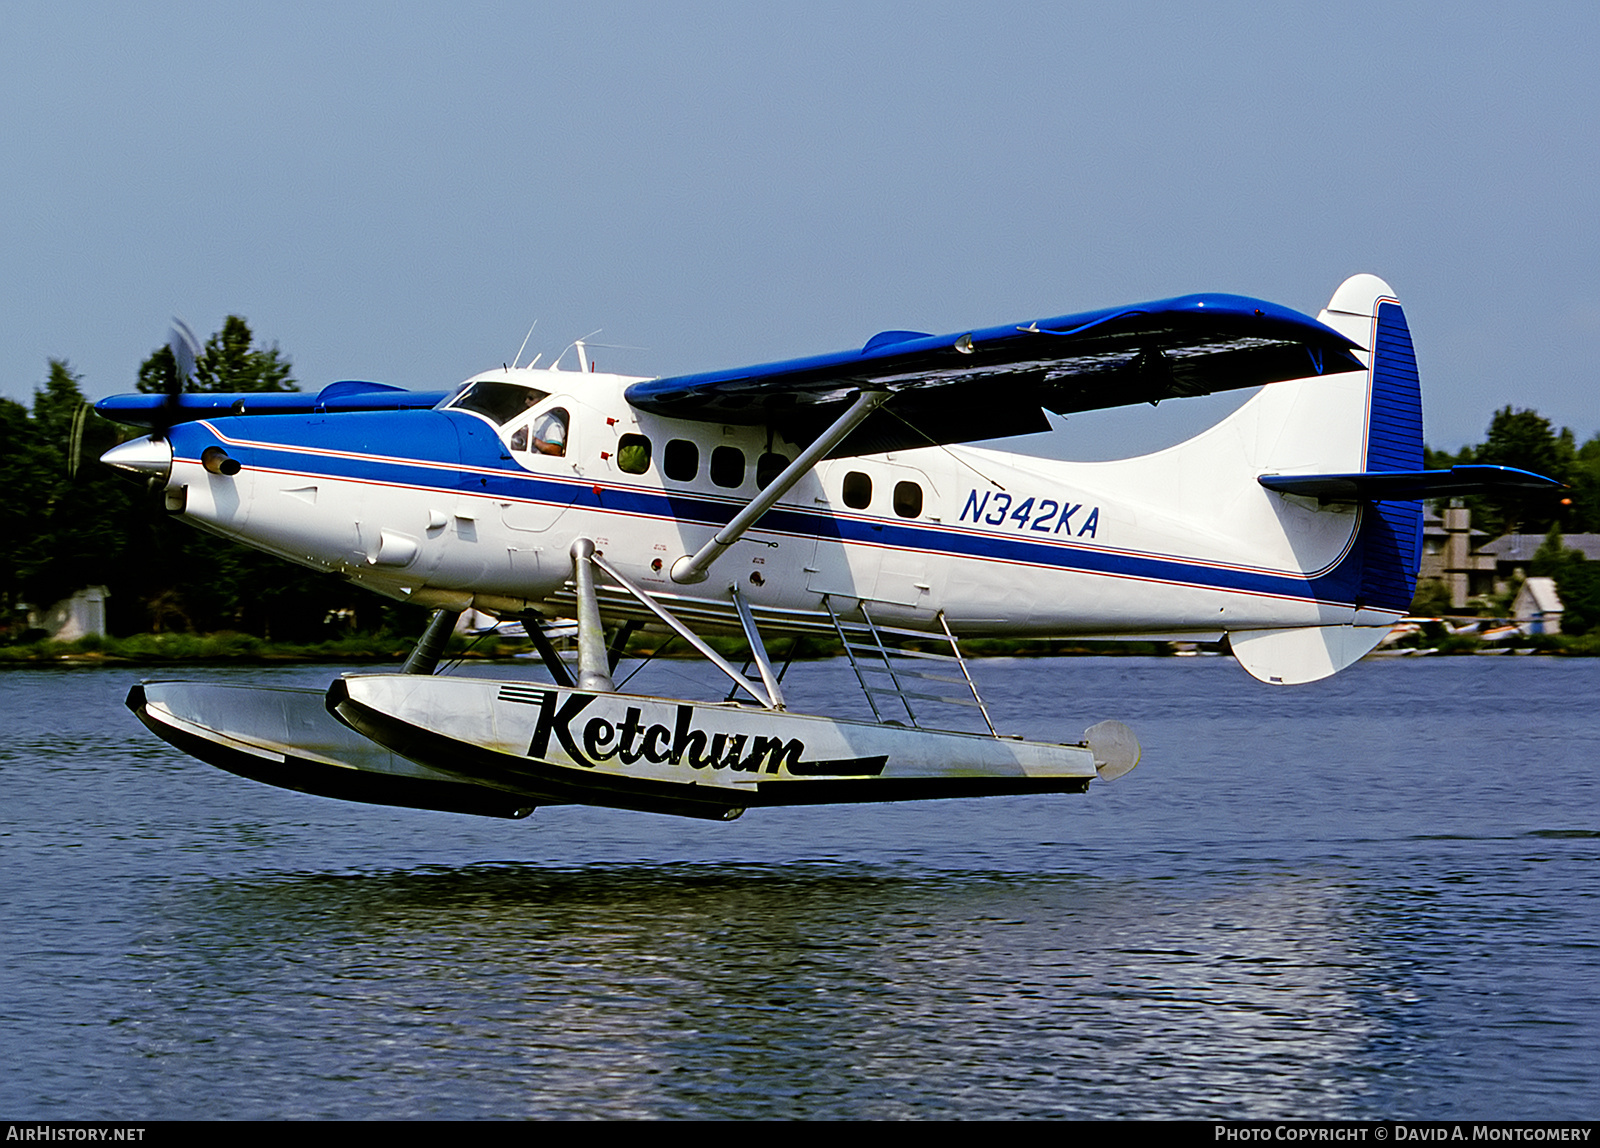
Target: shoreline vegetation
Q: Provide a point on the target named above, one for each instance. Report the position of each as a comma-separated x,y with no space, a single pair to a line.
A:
244,649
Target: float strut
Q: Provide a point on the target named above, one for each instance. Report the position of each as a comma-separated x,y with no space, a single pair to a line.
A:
758,649
534,624
594,666
430,647
619,643
681,630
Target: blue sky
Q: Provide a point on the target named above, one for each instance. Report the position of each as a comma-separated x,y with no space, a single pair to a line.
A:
395,191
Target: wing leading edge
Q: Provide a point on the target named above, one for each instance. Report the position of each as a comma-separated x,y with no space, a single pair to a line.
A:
157,410
999,381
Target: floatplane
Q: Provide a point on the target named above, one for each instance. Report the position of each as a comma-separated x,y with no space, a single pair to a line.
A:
828,494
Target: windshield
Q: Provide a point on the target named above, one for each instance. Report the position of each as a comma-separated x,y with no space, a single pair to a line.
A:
497,402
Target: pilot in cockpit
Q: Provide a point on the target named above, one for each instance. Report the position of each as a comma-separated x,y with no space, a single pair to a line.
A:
550,433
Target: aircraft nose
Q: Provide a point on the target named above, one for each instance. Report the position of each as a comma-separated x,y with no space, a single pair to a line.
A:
146,456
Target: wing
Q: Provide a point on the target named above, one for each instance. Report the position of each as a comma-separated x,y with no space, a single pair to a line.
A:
998,382
346,395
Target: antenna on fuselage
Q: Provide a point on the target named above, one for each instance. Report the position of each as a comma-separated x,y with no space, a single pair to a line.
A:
915,429
524,346
583,361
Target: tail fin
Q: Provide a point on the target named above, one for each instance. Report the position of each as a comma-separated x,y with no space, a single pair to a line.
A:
1390,545
1383,434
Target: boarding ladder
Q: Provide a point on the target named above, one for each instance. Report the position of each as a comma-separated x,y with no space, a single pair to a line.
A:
886,666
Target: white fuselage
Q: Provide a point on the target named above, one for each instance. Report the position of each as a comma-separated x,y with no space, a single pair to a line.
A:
1184,542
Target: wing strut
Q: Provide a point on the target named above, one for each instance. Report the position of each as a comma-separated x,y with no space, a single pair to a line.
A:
691,569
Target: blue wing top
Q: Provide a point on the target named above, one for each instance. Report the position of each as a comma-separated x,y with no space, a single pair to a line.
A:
999,381
346,395
989,383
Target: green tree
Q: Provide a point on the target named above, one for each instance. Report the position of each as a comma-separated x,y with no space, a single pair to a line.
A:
228,362
69,522
64,524
1577,581
1523,439
1582,514
188,579
21,466
193,580
1443,459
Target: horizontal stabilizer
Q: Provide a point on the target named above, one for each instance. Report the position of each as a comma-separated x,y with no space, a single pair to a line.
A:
344,396
1404,485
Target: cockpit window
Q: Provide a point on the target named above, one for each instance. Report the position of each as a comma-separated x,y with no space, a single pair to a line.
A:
498,402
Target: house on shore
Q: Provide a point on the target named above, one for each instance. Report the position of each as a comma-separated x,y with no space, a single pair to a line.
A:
1451,554
1537,608
82,615
1513,552
1471,564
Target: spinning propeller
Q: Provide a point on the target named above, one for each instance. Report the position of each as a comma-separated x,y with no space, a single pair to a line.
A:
152,455
185,350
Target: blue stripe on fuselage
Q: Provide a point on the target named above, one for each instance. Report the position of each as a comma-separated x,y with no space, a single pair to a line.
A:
451,451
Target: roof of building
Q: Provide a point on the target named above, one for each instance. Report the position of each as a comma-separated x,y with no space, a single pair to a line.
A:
1433,527
1520,547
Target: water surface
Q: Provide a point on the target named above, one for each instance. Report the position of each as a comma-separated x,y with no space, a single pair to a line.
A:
1369,897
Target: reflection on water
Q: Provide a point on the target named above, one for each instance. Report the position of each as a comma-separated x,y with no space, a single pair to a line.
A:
687,990
1349,903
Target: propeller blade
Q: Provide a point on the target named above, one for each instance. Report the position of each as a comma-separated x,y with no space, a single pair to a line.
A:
185,351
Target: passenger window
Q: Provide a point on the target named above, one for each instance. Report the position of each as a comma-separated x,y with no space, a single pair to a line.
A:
681,460
519,441
768,467
633,454
550,432
857,490
907,499
727,466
